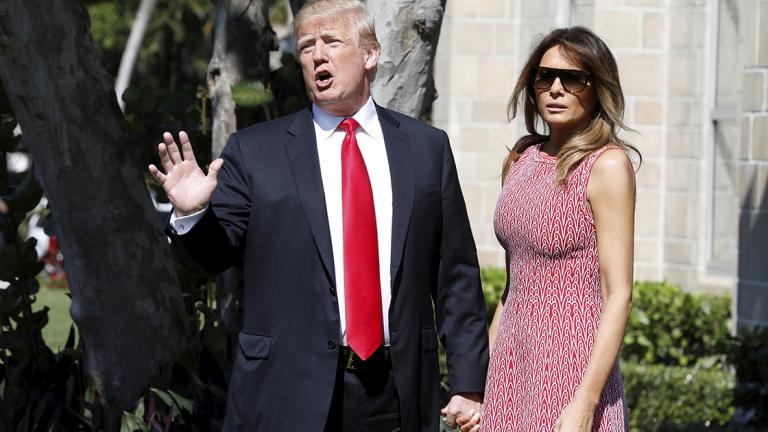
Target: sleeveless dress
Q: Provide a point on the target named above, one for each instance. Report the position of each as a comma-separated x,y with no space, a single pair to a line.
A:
550,318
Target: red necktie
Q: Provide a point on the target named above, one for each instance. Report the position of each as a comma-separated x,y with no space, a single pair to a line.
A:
362,286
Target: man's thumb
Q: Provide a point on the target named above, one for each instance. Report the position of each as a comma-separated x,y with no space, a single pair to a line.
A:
214,167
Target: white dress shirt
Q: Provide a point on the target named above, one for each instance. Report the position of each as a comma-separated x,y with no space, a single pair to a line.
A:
370,139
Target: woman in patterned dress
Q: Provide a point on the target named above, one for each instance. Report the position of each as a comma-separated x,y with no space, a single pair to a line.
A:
565,217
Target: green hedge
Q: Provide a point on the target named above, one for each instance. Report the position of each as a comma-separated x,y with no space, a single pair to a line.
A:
674,365
676,328
678,398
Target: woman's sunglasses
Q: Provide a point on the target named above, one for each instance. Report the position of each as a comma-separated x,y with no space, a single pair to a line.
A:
572,80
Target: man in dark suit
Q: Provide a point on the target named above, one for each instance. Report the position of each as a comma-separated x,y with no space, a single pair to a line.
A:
353,234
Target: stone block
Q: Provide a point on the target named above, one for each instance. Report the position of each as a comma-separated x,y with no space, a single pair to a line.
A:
760,137
745,144
684,112
505,39
619,28
647,272
469,138
462,9
753,92
679,216
654,30
685,71
461,76
489,167
649,142
492,8
503,138
641,73
682,176
679,252
649,3
465,166
748,28
497,77
647,251
489,112
762,38
472,38
685,143
680,28
684,276
539,9
648,111
649,175
647,214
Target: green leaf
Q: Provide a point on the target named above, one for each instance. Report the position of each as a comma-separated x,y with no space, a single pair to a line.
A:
251,94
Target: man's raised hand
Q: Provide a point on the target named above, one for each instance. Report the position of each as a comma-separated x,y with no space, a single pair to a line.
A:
187,187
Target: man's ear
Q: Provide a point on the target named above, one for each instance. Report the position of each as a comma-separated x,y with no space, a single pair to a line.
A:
371,57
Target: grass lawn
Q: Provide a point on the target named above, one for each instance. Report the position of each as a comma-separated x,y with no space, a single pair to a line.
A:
56,331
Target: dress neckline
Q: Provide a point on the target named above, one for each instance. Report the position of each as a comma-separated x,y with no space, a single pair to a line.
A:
541,156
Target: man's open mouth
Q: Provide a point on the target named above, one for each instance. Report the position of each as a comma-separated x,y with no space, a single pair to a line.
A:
324,79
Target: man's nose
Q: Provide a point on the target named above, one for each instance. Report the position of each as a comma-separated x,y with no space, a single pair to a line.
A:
320,53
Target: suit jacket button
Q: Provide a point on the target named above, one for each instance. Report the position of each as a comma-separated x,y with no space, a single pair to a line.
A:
331,345
333,290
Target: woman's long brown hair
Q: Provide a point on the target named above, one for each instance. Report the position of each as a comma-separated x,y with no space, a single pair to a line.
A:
586,49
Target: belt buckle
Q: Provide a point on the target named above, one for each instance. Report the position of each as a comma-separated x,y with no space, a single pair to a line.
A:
350,360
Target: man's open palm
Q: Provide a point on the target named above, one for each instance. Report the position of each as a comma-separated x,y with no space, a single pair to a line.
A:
188,188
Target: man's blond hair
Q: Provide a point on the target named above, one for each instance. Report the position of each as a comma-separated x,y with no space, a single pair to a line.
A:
334,10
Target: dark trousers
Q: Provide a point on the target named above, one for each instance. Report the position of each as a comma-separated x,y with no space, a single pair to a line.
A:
364,400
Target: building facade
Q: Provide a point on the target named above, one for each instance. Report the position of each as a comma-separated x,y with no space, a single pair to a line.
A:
695,78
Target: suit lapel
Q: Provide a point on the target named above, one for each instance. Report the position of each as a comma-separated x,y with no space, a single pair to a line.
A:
301,148
401,174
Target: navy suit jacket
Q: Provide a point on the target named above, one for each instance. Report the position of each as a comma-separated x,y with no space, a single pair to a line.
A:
268,213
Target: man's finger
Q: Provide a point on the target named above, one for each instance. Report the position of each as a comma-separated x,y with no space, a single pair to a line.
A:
173,149
214,167
186,147
165,158
160,177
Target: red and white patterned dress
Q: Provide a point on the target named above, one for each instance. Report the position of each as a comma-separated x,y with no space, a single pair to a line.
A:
550,318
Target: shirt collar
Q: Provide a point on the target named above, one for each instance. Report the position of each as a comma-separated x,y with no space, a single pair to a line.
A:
328,123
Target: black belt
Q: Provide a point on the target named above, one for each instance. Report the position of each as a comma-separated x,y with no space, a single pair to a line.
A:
381,360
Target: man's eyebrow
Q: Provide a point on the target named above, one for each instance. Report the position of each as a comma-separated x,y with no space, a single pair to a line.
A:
321,34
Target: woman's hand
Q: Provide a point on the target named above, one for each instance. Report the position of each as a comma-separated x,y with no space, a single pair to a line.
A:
577,416
471,422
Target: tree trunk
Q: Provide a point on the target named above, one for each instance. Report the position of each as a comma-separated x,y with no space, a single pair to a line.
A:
241,45
132,47
408,31
126,299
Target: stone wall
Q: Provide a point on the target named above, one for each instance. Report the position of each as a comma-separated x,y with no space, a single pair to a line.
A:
675,89
752,296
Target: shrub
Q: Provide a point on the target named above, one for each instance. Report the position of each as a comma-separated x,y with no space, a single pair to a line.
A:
672,327
675,398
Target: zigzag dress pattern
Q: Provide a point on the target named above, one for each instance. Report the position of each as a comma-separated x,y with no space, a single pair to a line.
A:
550,318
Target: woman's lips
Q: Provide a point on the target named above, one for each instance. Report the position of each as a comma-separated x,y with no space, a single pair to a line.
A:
556,108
